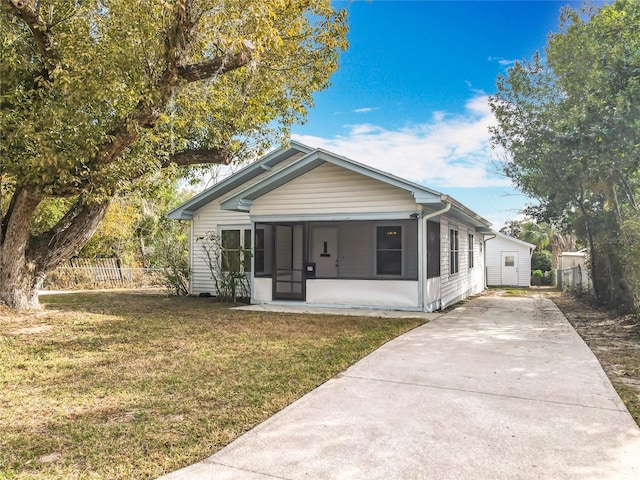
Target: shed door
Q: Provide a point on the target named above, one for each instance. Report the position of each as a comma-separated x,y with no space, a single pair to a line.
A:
510,268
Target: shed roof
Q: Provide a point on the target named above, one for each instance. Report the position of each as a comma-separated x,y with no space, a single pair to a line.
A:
512,239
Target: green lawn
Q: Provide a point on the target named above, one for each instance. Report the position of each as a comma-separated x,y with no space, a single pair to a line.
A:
125,385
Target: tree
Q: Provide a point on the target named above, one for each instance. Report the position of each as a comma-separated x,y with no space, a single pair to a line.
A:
537,233
103,98
570,123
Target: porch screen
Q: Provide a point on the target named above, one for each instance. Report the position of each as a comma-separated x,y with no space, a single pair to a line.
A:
262,250
433,249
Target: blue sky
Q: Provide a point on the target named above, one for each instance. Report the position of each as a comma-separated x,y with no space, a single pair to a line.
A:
410,97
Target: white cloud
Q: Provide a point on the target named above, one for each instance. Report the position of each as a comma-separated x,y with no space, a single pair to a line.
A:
505,62
364,110
448,151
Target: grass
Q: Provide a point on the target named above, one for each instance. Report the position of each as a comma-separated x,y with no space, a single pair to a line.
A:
126,385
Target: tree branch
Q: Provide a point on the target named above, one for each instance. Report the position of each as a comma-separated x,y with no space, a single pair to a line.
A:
23,203
28,11
198,157
67,237
147,111
218,66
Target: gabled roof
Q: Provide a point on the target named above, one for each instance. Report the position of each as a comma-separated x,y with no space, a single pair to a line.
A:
265,164
242,200
512,239
308,160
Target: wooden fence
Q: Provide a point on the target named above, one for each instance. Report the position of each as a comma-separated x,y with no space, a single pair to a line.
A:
100,273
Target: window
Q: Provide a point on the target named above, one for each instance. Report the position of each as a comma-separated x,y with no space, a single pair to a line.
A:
389,250
236,249
509,261
453,251
470,251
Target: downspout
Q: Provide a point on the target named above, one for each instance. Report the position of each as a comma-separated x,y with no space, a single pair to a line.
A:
484,254
425,218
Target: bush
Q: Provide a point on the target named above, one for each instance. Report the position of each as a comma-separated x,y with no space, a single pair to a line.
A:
541,260
175,271
536,277
227,266
630,257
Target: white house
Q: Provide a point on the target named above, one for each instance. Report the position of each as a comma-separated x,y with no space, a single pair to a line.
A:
508,261
327,231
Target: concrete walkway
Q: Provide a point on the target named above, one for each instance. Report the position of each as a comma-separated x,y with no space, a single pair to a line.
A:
499,388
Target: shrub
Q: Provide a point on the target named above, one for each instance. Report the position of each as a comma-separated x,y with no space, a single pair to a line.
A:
541,260
172,257
536,277
227,268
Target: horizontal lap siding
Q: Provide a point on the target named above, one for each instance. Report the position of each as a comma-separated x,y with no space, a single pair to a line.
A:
330,189
205,221
467,281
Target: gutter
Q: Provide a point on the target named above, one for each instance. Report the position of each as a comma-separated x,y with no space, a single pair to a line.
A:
445,199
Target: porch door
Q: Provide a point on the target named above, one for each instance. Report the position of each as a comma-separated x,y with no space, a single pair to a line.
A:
510,268
288,271
324,251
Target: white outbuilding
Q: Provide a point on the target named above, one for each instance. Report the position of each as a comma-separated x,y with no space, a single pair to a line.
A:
508,261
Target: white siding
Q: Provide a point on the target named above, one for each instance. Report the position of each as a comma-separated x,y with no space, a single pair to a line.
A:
468,281
495,247
330,189
205,220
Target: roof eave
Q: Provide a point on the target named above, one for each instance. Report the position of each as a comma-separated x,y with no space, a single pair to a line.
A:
266,163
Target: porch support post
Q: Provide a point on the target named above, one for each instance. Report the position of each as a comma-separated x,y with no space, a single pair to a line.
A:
252,276
421,260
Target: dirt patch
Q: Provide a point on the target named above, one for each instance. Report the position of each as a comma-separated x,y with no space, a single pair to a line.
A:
31,330
615,341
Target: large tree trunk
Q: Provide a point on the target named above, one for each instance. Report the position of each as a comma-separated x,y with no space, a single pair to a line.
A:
25,261
17,279
19,289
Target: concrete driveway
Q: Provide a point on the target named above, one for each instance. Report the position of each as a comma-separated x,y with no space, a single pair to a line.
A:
499,388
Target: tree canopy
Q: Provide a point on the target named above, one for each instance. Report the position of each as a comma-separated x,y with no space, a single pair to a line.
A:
569,121
99,97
